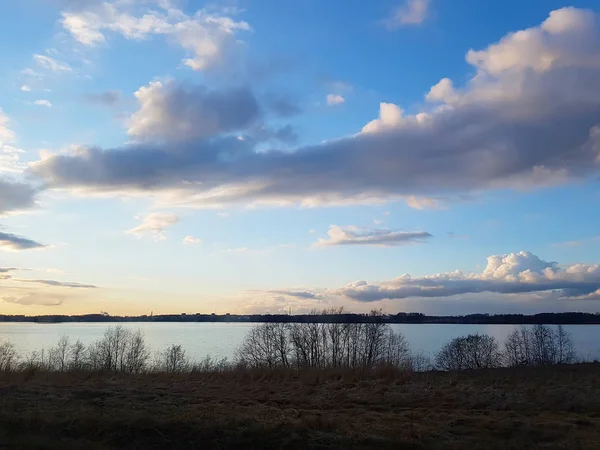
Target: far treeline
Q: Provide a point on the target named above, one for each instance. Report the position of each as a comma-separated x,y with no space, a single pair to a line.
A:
567,318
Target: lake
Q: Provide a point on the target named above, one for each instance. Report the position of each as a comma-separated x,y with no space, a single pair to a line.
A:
222,339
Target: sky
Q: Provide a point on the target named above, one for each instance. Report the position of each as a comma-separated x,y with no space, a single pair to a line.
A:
258,156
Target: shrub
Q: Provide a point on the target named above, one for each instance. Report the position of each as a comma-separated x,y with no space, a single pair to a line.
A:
8,356
172,360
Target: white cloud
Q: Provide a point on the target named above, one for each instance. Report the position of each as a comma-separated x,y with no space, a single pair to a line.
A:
52,64
43,102
25,88
378,237
514,273
207,37
155,224
191,240
335,99
412,12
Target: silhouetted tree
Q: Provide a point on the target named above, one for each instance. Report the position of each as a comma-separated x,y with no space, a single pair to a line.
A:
475,351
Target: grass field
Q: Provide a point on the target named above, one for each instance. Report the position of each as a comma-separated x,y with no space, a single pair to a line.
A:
525,408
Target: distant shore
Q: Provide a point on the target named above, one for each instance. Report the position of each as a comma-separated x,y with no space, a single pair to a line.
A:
568,318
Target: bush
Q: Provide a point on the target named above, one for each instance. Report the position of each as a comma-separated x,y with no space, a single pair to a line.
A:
475,351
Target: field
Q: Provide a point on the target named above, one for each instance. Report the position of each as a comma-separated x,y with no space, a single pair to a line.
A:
529,408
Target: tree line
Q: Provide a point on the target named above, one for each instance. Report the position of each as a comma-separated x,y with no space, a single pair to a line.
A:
341,316
271,345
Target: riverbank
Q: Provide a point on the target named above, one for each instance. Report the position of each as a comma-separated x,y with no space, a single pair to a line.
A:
557,407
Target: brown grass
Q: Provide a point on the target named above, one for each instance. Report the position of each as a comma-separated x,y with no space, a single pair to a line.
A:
490,409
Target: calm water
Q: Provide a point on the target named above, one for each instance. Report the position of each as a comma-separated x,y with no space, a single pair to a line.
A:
222,339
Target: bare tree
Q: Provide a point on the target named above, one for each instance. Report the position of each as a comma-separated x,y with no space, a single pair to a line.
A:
324,345
539,345
475,351
77,361
266,345
59,355
136,354
173,360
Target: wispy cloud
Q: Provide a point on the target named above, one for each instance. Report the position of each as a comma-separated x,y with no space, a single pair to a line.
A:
66,284
43,102
191,240
155,224
106,98
335,99
13,242
412,12
52,64
352,235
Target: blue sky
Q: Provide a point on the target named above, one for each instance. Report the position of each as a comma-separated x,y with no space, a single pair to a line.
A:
255,156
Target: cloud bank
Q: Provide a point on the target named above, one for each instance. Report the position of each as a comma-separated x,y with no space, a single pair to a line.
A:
529,117
514,273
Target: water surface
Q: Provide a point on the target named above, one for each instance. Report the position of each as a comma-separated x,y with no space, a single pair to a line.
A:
222,339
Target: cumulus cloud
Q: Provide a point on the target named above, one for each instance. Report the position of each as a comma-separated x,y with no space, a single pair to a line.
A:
191,240
379,237
52,64
155,224
179,111
529,117
412,12
43,102
66,284
514,273
335,99
106,98
25,88
206,37
12,242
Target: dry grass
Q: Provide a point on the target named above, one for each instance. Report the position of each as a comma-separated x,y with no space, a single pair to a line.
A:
490,409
